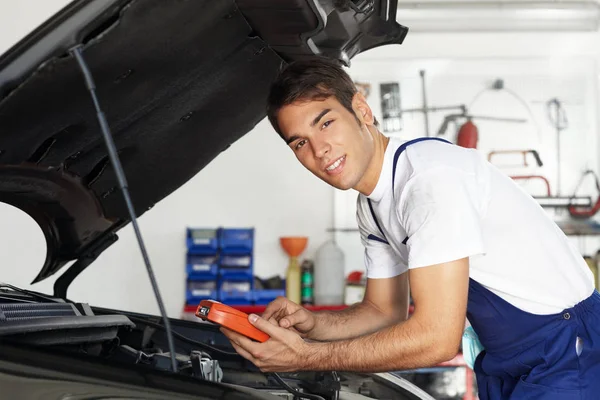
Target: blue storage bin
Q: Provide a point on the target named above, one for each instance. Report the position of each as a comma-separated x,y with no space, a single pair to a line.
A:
235,297
236,286
202,266
201,290
265,296
235,274
202,240
235,261
236,241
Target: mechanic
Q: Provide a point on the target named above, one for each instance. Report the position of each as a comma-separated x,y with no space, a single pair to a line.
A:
467,239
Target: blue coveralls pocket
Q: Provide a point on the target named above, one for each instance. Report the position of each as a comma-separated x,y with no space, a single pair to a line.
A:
533,391
551,367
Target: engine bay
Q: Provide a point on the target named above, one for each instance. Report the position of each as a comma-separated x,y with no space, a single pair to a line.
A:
139,341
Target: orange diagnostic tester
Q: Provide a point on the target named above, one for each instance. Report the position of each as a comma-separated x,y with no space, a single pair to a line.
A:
230,318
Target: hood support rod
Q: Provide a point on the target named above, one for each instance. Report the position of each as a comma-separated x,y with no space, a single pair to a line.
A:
116,163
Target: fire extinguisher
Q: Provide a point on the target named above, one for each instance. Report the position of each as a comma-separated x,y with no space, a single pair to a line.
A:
468,135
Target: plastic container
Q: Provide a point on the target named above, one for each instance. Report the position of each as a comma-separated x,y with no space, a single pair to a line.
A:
235,297
236,286
202,240
200,290
237,274
236,241
307,283
202,266
236,261
329,275
236,267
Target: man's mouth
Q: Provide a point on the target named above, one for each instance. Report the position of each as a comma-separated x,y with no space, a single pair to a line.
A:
336,166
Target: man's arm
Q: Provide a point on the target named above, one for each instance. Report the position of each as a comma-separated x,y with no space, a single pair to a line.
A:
430,336
385,303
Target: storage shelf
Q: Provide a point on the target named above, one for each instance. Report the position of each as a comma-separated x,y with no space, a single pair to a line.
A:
579,227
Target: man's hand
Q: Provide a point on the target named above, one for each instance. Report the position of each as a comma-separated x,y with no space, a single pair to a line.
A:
290,315
285,351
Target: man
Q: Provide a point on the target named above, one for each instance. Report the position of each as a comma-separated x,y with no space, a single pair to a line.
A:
467,239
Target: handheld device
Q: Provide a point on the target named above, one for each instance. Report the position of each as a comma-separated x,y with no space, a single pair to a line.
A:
230,318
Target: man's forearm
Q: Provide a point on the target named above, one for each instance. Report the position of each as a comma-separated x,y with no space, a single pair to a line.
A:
402,346
356,320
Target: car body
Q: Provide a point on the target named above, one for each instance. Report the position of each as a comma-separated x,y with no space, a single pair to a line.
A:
179,81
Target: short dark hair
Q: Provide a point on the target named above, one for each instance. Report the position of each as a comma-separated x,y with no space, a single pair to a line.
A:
315,78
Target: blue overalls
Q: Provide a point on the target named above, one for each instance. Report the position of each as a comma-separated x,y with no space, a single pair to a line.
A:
530,356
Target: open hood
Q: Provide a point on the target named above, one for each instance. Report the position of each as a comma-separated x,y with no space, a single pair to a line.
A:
179,82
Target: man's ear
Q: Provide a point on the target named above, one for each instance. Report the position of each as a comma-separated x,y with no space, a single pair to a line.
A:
362,110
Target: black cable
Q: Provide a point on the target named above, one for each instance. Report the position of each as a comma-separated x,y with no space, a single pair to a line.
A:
516,96
294,391
184,338
116,163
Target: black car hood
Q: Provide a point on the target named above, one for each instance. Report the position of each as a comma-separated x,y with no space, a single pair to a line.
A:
179,82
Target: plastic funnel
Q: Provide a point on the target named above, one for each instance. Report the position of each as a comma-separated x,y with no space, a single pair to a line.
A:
294,246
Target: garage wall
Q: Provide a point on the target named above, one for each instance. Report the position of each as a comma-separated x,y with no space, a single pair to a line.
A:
258,182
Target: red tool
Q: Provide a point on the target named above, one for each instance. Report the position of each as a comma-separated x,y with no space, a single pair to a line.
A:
527,177
230,318
521,152
579,212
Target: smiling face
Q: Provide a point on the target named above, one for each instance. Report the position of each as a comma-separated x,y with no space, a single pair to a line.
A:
334,144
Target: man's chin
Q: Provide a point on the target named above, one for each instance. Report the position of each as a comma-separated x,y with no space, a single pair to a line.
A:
341,185
337,182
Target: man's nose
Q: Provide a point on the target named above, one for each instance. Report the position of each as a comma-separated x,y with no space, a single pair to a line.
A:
321,148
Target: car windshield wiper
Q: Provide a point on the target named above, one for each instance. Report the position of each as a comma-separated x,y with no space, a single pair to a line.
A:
118,168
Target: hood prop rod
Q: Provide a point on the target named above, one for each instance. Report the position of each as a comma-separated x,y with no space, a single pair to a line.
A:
116,163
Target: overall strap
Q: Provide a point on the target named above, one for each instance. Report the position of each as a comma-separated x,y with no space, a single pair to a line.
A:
378,226
397,155
404,146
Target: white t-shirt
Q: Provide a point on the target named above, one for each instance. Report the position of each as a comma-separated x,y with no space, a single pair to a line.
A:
446,203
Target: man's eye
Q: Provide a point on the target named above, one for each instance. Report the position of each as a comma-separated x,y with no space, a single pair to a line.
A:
300,144
327,123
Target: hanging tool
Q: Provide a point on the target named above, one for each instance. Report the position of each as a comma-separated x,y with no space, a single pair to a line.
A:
498,86
580,212
468,134
540,177
522,152
425,109
558,118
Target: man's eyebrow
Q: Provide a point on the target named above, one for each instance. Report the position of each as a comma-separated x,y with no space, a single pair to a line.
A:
313,123
321,115
293,138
